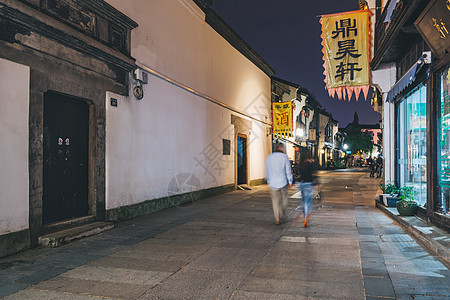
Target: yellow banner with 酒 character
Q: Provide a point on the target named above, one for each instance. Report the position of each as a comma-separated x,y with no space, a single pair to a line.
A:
282,119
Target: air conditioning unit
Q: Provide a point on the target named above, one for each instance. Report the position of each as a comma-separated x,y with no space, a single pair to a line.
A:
141,76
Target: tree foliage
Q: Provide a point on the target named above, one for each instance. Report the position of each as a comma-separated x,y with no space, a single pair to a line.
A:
358,141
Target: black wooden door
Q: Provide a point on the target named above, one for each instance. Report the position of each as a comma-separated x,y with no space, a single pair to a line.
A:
66,123
242,159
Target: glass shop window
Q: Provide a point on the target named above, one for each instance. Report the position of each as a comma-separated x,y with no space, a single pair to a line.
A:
412,142
443,143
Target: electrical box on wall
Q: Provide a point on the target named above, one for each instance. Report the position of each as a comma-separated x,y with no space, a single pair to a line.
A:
141,76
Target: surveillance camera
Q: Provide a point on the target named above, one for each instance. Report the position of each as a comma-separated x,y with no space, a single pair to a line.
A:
426,55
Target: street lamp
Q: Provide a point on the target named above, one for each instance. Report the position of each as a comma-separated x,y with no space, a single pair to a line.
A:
345,146
299,132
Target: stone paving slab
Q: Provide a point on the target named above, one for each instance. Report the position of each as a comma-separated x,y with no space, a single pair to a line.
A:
96,288
379,287
242,242
151,246
377,269
40,274
168,256
275,260
228,260
321,252
246,295
433,237
174,235
305,274
49,295
197,284
138,264
326,290
109,274
315,240
11,288
228,247
417,285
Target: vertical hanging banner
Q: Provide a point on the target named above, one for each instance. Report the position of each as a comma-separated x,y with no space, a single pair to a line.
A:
346,45
282,116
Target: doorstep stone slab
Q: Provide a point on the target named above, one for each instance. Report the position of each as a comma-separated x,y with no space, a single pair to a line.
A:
66,236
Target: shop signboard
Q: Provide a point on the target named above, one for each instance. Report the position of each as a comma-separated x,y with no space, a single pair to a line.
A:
434,26
312,134
282,119
346,53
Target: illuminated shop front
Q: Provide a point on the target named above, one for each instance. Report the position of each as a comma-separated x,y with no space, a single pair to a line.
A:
443,142
412,142
412,69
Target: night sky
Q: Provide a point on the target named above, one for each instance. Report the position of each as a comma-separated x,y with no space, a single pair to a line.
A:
286,34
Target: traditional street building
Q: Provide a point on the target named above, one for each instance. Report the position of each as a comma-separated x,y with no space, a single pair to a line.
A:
302,115
314,131
111,109
332,140
411,67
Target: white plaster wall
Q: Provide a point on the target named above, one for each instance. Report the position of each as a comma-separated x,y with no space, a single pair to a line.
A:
171,131
260,146
335,130
14,103
323,121
385,78
174,39
153,141
308,123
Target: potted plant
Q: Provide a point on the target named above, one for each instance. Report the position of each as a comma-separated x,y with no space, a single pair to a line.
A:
406,206
383,192
390,193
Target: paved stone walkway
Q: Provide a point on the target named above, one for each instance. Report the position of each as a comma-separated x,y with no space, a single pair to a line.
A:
228,247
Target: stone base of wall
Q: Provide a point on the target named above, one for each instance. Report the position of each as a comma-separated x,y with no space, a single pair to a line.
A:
149,206
257,182
14,242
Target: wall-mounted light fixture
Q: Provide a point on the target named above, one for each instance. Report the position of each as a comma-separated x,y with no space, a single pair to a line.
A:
141,77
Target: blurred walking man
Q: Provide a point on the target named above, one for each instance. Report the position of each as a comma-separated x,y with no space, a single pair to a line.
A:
279,178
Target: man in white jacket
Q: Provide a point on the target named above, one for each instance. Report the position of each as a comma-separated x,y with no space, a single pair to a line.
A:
279,178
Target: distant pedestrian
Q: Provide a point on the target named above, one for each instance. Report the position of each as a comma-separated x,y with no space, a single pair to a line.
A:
306,170
279,178
379,163
371,165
